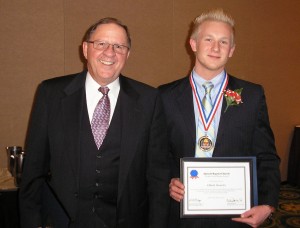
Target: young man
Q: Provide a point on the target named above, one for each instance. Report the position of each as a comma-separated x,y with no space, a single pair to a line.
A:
200,124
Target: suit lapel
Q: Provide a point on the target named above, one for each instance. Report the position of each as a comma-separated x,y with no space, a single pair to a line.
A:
72,108
225,119
130,120
186,107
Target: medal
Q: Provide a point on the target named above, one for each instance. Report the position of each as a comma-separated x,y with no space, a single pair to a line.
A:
205,143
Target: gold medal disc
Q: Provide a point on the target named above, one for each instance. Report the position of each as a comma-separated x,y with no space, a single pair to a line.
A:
205,143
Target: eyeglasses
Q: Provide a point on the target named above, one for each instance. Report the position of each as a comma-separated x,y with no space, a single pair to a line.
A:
102,46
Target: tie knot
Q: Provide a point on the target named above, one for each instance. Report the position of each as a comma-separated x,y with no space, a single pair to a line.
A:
104,90
208,87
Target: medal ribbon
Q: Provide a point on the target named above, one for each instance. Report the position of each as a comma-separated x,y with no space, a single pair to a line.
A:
207,120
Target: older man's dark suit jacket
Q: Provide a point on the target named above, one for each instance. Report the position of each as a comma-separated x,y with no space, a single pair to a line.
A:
244,130
53,144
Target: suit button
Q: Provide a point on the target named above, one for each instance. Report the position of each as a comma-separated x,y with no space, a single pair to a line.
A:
76,195
97,196
99,156
97,184
97,171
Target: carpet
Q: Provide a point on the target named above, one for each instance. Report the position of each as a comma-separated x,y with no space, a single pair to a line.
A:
288,211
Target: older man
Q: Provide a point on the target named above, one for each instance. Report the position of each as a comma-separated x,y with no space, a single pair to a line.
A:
101,138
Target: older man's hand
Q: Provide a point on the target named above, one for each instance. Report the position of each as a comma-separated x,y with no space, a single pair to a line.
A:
176,189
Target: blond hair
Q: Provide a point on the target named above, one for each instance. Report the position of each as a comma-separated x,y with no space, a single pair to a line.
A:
213,15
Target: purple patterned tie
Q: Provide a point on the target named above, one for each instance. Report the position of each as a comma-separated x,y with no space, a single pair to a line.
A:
100,121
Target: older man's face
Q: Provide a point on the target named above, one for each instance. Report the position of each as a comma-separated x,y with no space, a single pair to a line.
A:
105,65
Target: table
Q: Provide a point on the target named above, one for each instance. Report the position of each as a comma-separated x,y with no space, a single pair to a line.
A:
294,159
9,212
9,209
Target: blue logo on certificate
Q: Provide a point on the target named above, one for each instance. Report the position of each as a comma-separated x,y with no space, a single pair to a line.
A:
194,174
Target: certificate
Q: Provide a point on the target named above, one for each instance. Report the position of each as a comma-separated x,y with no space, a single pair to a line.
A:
218,186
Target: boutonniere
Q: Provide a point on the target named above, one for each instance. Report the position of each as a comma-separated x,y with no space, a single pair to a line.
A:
233,97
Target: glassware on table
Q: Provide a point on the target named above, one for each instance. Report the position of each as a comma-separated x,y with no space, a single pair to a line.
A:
16,157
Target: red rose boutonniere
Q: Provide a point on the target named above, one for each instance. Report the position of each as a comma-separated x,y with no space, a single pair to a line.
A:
233,97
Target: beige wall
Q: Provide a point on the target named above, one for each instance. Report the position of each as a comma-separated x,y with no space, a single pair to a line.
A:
41,39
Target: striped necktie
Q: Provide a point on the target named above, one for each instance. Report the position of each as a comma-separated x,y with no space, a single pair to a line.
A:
206,101
207,105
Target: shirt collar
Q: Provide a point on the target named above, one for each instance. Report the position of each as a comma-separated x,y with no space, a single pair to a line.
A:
90,83
216,81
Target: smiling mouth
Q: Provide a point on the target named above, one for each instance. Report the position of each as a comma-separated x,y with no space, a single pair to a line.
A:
108,63
216,57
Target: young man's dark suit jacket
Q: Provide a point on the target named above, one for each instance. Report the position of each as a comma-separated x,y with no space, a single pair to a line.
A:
52,144
244,130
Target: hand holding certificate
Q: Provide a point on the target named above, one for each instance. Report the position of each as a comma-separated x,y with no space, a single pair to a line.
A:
218,186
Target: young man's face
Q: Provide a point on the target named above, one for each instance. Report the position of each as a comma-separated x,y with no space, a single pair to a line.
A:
213,47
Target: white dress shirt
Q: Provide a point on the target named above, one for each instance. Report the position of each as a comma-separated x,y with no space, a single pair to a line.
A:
93,95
